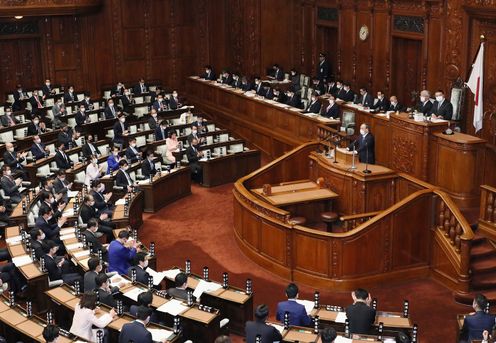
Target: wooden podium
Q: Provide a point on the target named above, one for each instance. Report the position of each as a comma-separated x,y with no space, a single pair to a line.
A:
345,156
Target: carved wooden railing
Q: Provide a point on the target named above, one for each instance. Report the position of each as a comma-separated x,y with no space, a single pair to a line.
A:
487,214
352,221
330,137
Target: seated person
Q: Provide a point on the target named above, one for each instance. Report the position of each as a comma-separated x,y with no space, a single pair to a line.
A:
93,171
81,118
69,96
346,94
132,153
120,129
104,291
476,322
140,88
365,99
8,118
318,86
381,103
278,73
85,318
174,102
61,159
88,212
279,96
332,110
61,185
314,105
121,251
424,105
102,199
122,178
148,166
127,101
13,159
38,149
47,201
180,291
37,242
209,74
257,86
92,238
136,330
394,105
58,268
113,160
161,131
267,332
160,104
36,127
153,121
297,314
65,136
11,279
328,335
140,263
110,110
88,105
10,185
442,108
51,333
52,231
293,100
268,93
89,149
171,146
360,315
194,155
95,267
194,135
145,299
117,91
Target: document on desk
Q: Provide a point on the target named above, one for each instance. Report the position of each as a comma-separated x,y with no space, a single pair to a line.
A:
74,246
72,194
13,240
157,276
341,317
68,213
81,253
173,307
117,279
66,231
278,327
67,236
307,303
171,273
120,201
341,339
20,261
133,293
160,335
205,287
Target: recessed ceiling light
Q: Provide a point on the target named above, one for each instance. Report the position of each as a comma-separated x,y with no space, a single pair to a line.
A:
18,17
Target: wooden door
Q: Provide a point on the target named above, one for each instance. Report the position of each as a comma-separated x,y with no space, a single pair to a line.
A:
327,40
20,62
406,69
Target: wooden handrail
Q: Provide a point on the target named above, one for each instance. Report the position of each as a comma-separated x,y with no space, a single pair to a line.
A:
489,188
468,234
359,216
417,181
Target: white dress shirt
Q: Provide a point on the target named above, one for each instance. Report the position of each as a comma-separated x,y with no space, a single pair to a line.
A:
83,321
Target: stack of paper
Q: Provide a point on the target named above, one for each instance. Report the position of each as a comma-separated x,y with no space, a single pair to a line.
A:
72,194
307,303
20,261
67,236
74,246
120,201
204,286
157,276
81,253
173,307
341,317
66,231
171,273
160,335
278,327
133,293
13,240
341,339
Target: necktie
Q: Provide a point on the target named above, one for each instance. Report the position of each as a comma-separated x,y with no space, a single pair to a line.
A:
38,102
10,120
92,148
113,111
363,100
128,178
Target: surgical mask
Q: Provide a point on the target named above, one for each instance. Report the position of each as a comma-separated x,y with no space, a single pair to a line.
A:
82,109
123,120
49,217
11,149
174,95
439,98
313,99
9,172
8,113
37,141
423,98
154,115
362,132
133,145
194,131
111,104
36,122
380,97
101,189
42,236
331,102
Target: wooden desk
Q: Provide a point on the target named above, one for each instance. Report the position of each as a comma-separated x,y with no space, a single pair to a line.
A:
166,188
230,167
134,217
295,192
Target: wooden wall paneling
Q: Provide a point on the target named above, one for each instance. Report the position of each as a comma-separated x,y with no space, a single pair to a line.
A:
381,41
273,242
312,254
364,49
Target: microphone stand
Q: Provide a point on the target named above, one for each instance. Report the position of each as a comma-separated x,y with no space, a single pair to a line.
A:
366,171
353,167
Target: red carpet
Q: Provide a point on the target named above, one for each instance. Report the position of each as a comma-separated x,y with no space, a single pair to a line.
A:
199,228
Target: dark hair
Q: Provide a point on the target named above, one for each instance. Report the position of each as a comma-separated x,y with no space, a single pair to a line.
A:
139,257
123,234
180,279
361,294
481,301
101,279
48,246
44,210
88,300
50,332
122,163
93,262
87,197
44,195
34,233
328,335
143,312
145,298
222,339
92,222
291,291
262,311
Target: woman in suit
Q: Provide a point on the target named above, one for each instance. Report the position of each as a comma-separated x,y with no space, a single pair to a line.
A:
85,318
93,171
171,144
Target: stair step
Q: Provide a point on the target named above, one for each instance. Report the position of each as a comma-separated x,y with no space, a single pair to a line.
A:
483,281
468,298
478,239
483,265
482,250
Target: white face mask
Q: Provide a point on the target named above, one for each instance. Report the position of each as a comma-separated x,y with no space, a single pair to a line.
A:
133,145
111,104
37,141
439,98
194,131
102,189
123,120
423,98
8,113
9,172
36,122
42,236
11,149
154,115
362,132
331,102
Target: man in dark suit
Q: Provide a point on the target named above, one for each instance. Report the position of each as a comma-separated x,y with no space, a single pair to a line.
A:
279,96
61,159
47,88
89,212
194,135
69,96
103,290
394,105
48,202
153,121
160,104
318,86
278,73
475,323
148,166
200,123
136,331
8,118
346,94
122,178
89,149
36,102
268,333
226,78
442,108
323,67
331,88
118,90
297,313
381,104
111,110
61,185
36,127
365,99
140,263
10,185
65,135
257,86
38,149
360,315
209,73
237,83
102,199
424,105
180,291
140,88
13,159
295,80
88,105
19,95
120,130
81,118
132,153
92,238
161,131
314,105
332,110
366,145
37,242
94,268
293,100
127,101
268,94
57,267
51,231
174,102
194,155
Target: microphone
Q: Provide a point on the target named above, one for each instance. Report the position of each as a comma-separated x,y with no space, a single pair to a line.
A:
366,171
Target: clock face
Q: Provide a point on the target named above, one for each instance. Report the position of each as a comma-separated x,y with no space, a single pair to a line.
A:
364,32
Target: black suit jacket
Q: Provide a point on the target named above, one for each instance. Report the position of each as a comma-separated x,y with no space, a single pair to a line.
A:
135,332
445,110
12,161
70,98
87,212
137,89
152,123
80,118
148,168
118,132
86,150
5,120
346,96
94,242
332,112
268,333
106,298
365,148
191,154
65,138
141,274
34,129
131,156
126,102
294,101
210,76
159,135
269,94
38,151
279,74
38,248
46,91
366,101
173,103
51,230
9,187
60,187
109,114
396,108
361,317
61,161
323,70
54,272
100,203
121,180
381,105
424,108
314,107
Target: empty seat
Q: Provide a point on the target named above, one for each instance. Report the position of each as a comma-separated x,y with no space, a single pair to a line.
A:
329,218
297,220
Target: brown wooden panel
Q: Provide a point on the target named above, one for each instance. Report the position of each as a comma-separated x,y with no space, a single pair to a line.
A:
132,13
273,242
311,254
406,76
